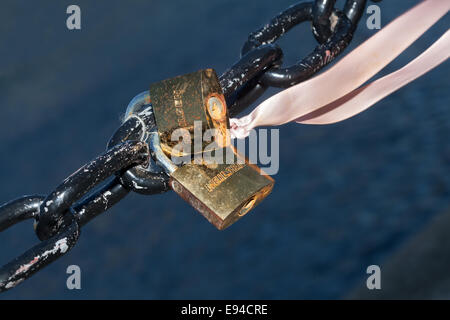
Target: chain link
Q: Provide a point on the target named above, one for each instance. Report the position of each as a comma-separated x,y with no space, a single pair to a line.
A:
60,215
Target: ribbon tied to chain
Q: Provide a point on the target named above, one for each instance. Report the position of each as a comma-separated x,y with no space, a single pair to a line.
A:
344,96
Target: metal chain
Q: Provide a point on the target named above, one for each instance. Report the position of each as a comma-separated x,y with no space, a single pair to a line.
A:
60,215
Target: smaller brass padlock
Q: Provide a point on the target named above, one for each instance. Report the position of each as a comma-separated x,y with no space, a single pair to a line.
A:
181,101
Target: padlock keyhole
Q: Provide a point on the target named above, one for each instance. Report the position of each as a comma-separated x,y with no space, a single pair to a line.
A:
247,207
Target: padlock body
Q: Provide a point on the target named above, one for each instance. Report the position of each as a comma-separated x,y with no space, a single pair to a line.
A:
181,101
222,194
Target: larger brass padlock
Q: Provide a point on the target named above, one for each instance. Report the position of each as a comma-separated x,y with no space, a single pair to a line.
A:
222,191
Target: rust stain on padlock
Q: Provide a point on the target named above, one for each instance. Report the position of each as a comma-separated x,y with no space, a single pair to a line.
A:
180,101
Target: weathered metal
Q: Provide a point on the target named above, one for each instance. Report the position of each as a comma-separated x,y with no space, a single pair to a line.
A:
224,190
181,101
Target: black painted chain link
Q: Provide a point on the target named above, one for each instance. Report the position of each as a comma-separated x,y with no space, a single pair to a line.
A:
59,216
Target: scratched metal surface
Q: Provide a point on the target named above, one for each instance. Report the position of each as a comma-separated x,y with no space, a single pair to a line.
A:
346,196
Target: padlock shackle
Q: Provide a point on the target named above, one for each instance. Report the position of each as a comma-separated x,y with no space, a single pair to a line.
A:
163,160
139,101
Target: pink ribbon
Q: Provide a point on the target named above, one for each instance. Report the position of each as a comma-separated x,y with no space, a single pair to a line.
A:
334,95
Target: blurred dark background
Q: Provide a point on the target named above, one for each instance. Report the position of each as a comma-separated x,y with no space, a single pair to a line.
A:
347,195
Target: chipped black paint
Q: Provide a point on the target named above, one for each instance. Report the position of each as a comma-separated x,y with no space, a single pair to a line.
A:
51,249
18,210
99,202
311,64
54,208
321,25
38,257
259,66
237,80
144,180
68,216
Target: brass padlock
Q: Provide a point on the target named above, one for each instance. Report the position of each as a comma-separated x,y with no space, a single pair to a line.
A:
179,102
222,192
